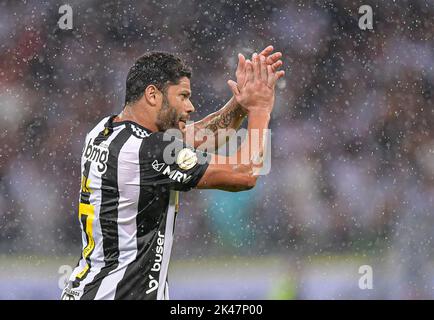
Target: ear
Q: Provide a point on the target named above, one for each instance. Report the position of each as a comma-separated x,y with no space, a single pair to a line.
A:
152,95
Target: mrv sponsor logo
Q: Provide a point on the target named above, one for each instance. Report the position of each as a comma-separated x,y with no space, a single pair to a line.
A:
172,174
97,154
176,175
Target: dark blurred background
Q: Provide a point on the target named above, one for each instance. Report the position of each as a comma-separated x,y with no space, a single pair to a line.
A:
351,179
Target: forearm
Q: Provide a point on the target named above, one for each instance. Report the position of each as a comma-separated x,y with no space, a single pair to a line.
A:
239,172
231,116
252,150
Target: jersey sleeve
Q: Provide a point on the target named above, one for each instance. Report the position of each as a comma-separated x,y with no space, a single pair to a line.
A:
168,162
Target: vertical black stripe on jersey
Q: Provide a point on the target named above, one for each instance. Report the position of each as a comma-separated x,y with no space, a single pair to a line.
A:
151,218
136,280
84,196
108,215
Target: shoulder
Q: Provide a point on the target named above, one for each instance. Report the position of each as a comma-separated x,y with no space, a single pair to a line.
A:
99,127
164,140
161,144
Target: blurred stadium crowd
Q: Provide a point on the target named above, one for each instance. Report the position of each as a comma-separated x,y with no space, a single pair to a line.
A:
352,139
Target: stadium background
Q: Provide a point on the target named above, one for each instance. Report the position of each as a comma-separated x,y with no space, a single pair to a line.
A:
351,181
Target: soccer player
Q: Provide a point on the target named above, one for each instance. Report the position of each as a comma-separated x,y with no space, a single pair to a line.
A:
132,174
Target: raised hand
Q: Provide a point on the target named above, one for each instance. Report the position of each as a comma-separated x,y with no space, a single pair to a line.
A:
257,93
271,59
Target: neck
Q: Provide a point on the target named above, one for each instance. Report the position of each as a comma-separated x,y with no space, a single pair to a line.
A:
143,117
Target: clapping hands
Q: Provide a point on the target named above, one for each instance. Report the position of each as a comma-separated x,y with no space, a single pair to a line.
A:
256,80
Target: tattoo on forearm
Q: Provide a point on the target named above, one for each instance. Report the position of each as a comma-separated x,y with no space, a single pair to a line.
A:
222,121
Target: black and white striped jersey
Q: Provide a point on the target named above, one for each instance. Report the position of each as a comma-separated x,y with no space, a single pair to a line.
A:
127,210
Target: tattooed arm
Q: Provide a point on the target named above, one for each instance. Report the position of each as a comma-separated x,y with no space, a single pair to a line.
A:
240,171
231,116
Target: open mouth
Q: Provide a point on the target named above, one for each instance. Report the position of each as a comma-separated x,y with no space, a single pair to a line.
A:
182,124
183,120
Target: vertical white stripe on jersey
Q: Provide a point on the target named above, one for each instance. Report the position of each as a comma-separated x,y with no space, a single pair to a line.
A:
129,191
168,240
97,256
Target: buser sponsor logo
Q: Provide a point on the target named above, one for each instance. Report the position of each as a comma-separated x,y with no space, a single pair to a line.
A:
153,283
97,154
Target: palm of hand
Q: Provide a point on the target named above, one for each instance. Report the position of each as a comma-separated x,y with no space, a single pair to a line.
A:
255,85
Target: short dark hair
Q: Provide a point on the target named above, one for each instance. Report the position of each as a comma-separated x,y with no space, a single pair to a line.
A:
157,68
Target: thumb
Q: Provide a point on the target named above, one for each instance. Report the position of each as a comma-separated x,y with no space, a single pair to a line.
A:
234,87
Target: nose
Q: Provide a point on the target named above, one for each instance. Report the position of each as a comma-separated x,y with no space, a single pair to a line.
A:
190,107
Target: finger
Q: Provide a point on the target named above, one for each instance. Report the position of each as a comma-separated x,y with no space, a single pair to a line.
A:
266,52
263,68
277,75
274,57
241,64
241,71
256,66
277,65
249,71
280,74
271,75
234,88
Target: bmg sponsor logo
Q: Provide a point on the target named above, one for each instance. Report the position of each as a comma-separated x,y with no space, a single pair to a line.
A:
98,154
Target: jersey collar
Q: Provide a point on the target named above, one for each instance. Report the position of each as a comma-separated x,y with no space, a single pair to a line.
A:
137,129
